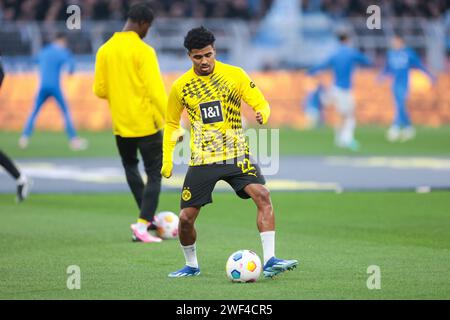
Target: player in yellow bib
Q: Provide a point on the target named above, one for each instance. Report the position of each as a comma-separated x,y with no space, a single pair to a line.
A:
127,75
211,92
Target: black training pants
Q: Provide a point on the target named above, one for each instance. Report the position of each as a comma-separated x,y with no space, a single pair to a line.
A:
150,148
9,166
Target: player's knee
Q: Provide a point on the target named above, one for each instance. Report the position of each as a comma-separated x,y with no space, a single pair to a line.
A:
186,219
130,164
263,197
154,177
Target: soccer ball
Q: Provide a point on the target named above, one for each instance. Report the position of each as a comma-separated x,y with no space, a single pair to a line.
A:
166,225
243,266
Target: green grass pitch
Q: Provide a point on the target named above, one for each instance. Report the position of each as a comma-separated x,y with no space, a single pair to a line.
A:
335,237
429,142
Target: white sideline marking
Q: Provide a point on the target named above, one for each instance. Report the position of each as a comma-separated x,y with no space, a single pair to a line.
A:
114,175
391,162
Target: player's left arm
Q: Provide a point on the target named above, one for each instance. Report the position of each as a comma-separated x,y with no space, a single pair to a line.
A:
254,98
416,63
154,85
70,60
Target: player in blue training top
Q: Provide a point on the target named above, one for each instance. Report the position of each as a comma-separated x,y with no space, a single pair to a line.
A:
51,60
399,61
343,62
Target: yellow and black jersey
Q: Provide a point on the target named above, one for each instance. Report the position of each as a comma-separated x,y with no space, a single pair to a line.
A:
213,105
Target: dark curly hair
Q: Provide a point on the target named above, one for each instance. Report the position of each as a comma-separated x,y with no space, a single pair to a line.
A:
141,12
198,38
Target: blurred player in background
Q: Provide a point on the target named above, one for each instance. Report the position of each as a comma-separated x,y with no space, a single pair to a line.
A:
52,58
23,183
211,92
399,61
314,104
343,63
127,75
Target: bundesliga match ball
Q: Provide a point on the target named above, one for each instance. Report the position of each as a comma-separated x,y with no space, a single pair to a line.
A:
167,225
243,266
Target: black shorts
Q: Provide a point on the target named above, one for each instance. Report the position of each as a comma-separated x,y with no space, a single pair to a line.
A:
200,180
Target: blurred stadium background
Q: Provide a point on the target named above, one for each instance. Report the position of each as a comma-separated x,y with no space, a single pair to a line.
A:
336,235
275,40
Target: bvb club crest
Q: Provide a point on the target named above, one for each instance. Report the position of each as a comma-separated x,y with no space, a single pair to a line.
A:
186,195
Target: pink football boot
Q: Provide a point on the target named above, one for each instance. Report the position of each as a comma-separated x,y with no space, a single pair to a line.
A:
143,235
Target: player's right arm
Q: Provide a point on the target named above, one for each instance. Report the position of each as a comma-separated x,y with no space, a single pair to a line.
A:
385,71
99,87
327,64
362,59
171,131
